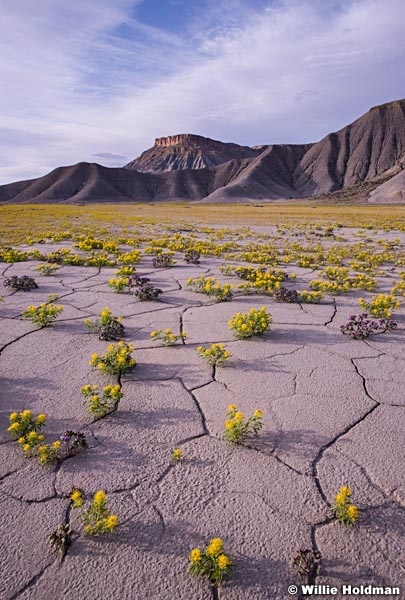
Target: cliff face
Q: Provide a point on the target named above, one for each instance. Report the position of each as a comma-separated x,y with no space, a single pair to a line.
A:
187,151
368,154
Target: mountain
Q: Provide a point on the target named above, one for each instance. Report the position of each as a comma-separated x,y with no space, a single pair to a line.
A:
362,161
186,151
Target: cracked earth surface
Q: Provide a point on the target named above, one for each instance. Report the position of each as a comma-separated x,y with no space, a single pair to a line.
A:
333,414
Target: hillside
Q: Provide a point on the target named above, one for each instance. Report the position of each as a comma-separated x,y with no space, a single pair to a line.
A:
367,155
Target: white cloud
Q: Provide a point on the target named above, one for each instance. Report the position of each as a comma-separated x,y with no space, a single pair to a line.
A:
88,81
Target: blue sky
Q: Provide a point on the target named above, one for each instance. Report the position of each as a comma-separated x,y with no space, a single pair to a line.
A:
98,80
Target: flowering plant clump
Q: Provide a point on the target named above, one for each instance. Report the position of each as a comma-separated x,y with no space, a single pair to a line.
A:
167,337
192,257
343,509
255,322
359,327
25,428
116,360
211,563
119,284
101,404
77,498
22,282
24,423
237,428
333,287
211,287
162,261
44,314
285,295
126,258
47,268
176,455
12,255
125,271
307,297
335,273
381,306
96,517
49,453
216,355
108,326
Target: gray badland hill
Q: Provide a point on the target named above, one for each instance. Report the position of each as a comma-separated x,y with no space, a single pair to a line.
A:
368,154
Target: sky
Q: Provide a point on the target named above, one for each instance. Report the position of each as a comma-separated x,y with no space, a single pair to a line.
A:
99,80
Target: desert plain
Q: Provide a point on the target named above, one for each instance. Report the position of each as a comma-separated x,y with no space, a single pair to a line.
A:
333,411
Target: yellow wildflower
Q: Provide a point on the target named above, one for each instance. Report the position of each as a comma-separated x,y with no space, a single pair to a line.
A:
195,555
99,497
13,417
346,491
223,562
77,498
112,522
13,427
231,407
352,513
215,546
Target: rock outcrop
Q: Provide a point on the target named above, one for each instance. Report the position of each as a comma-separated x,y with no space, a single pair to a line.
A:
187,151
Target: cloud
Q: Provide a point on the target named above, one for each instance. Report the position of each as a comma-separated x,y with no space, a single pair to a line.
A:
89,80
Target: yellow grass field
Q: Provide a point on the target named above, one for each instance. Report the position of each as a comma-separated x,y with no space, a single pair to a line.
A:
20,221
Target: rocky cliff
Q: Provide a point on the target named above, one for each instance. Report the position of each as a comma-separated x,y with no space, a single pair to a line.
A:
187,151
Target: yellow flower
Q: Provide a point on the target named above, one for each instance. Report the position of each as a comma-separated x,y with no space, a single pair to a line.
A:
56,445
13,417
231,407
99,497
215,546
345,490
153,333
352,513
340,498
239,416
177,454
77,498
40,420
258,414
112,522
229,424
223,562
26,447
195,555
26,414
13,427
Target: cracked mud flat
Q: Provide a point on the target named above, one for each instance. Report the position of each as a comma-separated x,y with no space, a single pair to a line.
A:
333,414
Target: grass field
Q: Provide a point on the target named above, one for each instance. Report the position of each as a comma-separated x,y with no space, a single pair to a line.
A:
18,221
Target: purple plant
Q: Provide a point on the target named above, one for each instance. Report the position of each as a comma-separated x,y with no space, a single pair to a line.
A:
75,442
286,295
23,283
359,327
145,290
